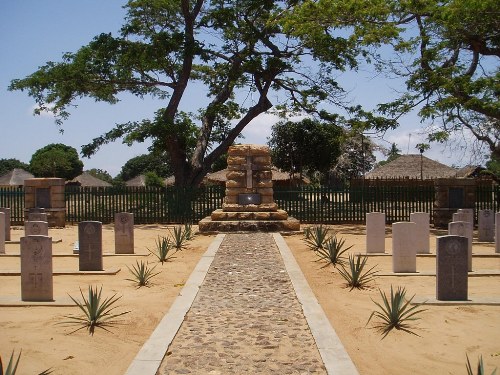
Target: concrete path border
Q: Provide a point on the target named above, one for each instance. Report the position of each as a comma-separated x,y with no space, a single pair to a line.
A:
335,357
149,358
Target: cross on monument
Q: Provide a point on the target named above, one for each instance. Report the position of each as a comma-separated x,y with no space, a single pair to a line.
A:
249,172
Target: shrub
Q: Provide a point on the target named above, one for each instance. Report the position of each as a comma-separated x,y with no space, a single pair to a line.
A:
355,275
142,273
179,239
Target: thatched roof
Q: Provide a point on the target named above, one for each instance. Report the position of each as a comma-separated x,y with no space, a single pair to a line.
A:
410,166
137,181
219,177
470,171
15,177
86,179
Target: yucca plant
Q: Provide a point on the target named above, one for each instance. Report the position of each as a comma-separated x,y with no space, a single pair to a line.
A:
480,367
333,251
97,312
355,275
142,273
178,237
395,312
188,231
316,236
163,249
11,366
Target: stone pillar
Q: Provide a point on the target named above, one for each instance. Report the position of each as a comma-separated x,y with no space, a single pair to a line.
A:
37,216
6,226
422,231
375,232
90,245
36,228
486,226
404,252
497,232
463,229
124,233
2,233
36,268
451,268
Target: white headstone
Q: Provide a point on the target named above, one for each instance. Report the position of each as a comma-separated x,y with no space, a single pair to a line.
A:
375,232
404,252
2,233
463,229
124,233
6,225
470,214
422,228
486,225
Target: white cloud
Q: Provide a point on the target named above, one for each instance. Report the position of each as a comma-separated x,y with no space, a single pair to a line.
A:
44,113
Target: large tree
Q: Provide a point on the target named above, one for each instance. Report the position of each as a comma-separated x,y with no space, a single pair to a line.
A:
157,163
56,160
6,165
235,52
447,52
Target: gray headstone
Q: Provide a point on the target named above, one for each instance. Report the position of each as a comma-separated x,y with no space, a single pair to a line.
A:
375,232
2,233
36,268
451,268
36,228
486,226
90,249
422,229
463,229
404,252
124,233
6,211
469,212
497,232
37,216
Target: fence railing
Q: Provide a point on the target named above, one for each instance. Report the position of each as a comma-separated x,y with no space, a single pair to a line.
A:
307,204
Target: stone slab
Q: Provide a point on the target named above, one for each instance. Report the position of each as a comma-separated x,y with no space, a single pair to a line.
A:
451,268
124,233
375,232
36,269
90,248
208,225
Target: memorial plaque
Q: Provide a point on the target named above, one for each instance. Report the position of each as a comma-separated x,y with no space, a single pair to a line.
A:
6,226
451,268
42,197
36,228
422,229
245,199
456,197
36,268
463,229
90,240
375,232
486,226
2,233
37,216
404,252
124,233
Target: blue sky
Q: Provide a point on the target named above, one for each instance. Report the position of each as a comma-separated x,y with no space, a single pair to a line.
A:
33,32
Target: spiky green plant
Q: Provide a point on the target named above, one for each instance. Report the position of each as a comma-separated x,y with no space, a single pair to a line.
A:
480,367
142,273
178,237
11,366
333,251
163,249
395,312
355,275
188,231
97,312
316,237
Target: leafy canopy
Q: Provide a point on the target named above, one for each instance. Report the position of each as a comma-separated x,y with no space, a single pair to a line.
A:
56,160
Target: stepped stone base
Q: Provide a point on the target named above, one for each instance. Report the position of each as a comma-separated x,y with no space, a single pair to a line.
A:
289,225
221,215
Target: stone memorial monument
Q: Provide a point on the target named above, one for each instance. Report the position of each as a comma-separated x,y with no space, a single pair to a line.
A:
36,268
124,233
451,268
2,233
90,246
249,202
463,229
6,225
422,231
404,252
486,226
46,194
36,228
375,232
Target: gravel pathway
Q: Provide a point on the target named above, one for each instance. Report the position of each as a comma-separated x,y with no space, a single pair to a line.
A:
246,318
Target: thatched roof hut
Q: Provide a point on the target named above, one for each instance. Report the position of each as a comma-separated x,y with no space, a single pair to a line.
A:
87,180
137,181
15,177
279,178
414,166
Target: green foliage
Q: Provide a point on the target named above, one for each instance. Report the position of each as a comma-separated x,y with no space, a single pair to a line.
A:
56,160
100,174
188,231
333,251
356,157
179,236
142,273
355,275
480,367
6,165
97,312
152,179
316,236
395,312
155,162
11,366
163,249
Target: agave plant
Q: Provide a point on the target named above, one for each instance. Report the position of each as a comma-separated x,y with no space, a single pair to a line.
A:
142,273
11,366
316,236
188,231
333,251
480,367
395,312
355,275
178,237
97,312
163,247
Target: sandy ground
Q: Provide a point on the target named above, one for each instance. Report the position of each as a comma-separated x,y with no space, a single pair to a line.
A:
447,333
